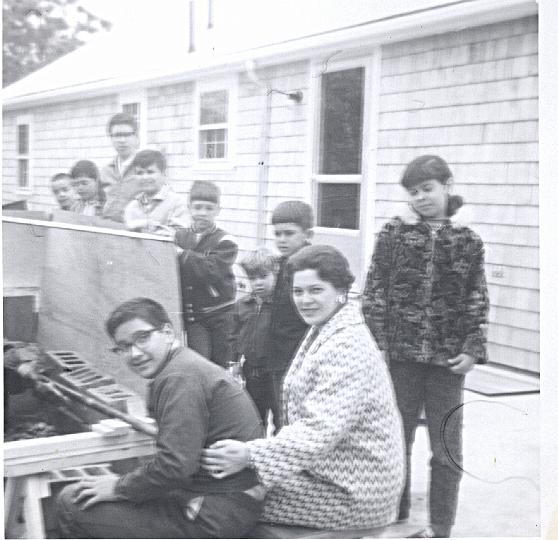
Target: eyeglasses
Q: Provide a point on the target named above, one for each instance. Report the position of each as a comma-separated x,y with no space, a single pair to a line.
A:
122,134
140,339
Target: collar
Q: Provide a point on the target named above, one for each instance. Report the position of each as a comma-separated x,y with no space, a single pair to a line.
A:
159,196
212,229
460,219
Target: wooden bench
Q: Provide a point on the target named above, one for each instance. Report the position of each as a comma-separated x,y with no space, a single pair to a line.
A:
267,530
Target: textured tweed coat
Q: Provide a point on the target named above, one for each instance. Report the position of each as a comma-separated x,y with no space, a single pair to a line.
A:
425,298
339,460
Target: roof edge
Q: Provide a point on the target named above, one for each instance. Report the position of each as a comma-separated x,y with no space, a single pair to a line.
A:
435,20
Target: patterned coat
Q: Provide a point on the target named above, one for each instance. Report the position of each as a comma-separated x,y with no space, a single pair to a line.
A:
340,461
425,298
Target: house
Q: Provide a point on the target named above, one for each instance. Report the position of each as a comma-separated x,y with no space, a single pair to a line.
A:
275,103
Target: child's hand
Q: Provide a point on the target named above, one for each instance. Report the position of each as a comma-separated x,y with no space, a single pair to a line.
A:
462,363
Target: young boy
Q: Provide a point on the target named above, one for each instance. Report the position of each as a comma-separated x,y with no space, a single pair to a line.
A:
194,404
157,209
292,223
250,330
87,185
61,186
206,256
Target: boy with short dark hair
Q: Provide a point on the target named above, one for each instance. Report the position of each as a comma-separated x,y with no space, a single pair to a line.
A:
61,186
86,183
292,223
206,256
157,209
250,330
194,403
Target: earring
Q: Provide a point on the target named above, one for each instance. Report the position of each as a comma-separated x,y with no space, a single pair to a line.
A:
341,298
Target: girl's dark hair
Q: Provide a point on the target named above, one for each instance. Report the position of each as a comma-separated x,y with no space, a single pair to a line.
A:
330,264
138,308
89,170
430,167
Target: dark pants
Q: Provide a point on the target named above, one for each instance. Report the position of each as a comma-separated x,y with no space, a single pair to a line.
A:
226,515
440,392
210,336
259,384
277,379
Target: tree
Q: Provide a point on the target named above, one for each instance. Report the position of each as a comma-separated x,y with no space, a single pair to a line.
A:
37,32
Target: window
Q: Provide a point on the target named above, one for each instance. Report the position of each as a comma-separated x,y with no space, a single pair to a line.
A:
340,148
23,154
133,109
134,103
213,125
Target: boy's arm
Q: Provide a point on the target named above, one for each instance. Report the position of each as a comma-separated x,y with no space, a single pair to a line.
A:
182,421
179,215
476,306
133,219
374,296
212,265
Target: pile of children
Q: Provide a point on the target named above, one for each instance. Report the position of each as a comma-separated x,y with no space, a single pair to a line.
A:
425,300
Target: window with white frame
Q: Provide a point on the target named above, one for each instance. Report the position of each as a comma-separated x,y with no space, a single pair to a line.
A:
214,123
23,141
134,103
339,163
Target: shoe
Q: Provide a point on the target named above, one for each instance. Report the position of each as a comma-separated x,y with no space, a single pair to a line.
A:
424,533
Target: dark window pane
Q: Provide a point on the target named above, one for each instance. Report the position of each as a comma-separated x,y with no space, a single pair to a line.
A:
23,172
23,139
213,143
338,205
213,107
341,122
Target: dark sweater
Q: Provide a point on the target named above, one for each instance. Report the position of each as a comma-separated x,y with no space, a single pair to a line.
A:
287,327
206,275
195,403
250,333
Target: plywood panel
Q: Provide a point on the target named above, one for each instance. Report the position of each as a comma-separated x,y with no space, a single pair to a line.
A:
86,275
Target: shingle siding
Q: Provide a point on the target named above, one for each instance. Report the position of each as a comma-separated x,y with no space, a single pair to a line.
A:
472,97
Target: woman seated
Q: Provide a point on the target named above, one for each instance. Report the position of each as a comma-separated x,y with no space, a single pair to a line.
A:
339,461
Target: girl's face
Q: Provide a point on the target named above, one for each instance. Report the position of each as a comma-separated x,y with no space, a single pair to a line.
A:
430,198
315,299
85,187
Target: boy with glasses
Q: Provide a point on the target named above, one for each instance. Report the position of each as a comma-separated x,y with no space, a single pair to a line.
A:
118,178
194,403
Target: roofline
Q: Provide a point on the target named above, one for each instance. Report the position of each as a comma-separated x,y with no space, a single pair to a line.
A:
437,19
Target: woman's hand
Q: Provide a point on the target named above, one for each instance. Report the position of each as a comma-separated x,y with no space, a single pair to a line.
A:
462,363
224,458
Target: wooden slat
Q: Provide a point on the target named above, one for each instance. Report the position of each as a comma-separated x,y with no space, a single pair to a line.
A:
521,299
516,318
517,338
516,358
34,456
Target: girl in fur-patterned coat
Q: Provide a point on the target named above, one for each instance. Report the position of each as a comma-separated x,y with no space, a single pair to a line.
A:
338,462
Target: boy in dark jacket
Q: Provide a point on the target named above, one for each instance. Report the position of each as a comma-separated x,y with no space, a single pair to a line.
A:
292,224
250,330
206,256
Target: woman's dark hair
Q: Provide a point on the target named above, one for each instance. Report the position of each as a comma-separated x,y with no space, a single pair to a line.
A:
138,308
329,263
430,167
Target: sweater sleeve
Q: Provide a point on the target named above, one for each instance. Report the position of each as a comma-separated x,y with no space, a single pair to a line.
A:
374,296
182,419
329,411
476,306
212,265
